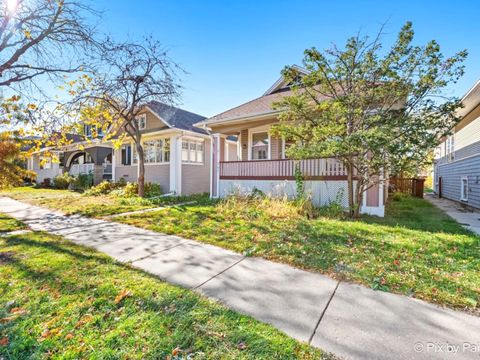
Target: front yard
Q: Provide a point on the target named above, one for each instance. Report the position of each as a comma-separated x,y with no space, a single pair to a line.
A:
415,250
60,300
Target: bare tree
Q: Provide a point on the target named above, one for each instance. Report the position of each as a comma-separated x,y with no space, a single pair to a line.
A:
132,75
42,37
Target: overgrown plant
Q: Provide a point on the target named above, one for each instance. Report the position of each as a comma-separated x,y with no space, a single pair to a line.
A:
376,110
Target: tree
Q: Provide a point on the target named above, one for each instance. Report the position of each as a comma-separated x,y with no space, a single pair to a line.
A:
377,111
11,171
42,37
130,76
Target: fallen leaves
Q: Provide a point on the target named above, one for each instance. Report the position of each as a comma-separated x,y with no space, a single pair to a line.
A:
122,295
4,341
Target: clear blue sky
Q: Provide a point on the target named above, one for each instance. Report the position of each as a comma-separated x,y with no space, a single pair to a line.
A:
234,50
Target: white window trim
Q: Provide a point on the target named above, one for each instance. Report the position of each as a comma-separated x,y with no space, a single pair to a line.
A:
144,117
190,139
257,130
463,197
134,149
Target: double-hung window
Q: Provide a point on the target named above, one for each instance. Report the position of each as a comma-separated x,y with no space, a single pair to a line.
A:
464,189
192,151
260,146
141,121
126,155
154,151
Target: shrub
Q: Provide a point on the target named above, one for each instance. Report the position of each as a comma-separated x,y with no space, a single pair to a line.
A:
130,190
83,182
105,187
46,183
398,196
62,181
152,189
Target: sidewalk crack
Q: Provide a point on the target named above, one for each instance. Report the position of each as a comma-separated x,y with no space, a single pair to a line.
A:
323,313
220,273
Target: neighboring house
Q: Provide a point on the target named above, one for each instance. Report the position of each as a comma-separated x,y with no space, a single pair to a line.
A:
177,154
456,173
262,163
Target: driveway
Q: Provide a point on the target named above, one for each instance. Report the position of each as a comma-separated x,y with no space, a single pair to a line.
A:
349,320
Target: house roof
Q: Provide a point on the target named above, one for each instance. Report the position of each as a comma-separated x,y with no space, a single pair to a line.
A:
175,117
471,99
259,106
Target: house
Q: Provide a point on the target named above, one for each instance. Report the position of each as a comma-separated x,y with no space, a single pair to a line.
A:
262,162
456,171
177,154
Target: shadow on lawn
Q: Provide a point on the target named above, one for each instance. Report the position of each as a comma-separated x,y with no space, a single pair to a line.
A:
182,317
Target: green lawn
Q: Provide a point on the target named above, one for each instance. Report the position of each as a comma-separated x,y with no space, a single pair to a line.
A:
415,250
71,202
63,301
9,224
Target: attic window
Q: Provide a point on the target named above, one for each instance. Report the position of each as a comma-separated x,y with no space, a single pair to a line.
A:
141,121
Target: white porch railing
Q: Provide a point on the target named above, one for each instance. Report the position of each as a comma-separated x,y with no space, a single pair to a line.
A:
77,169
326,169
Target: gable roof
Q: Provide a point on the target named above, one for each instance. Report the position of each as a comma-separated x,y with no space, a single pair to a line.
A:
259,107
281,83
175,117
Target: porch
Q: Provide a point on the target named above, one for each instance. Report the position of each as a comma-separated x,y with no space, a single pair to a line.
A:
283,169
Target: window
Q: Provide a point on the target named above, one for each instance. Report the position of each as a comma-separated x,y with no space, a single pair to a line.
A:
87,130
192,151
154,151
45,163
126,155
450,148
259,145
464,189
141,121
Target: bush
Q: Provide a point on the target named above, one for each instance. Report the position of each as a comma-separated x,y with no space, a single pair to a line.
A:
398,196
130,190
105,187
62,181
83,182
152,189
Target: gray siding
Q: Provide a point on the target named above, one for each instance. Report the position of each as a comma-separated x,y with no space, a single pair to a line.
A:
159,174
196,178
452,173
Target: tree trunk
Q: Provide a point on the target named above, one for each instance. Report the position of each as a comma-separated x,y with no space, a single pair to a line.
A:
358,198
351,202
141,169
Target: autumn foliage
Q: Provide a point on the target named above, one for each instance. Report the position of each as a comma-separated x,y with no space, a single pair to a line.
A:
11,171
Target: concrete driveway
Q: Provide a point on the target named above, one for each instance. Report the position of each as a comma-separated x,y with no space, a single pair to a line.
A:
349,320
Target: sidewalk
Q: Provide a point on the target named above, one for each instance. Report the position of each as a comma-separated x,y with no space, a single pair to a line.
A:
467,217
349,320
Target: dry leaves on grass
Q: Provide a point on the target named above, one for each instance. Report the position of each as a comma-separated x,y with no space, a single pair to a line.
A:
122,295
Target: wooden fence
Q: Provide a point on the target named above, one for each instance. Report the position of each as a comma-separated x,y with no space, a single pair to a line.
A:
412,186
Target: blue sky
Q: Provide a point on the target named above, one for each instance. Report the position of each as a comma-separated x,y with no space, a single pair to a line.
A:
234,50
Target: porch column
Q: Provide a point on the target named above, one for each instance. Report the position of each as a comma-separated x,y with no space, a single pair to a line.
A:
113,164
216,154
176,164
97,174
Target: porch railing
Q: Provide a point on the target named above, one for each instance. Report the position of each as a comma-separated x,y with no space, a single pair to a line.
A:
77,169
313,169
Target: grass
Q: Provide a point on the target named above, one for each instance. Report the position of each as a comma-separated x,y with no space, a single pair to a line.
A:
9,224
416,250
70,202
63,301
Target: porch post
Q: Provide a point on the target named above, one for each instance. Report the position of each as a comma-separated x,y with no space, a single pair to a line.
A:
176,164
215,170
113,164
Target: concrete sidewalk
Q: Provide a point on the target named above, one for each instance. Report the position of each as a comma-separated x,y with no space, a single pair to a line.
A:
349,320
469,218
